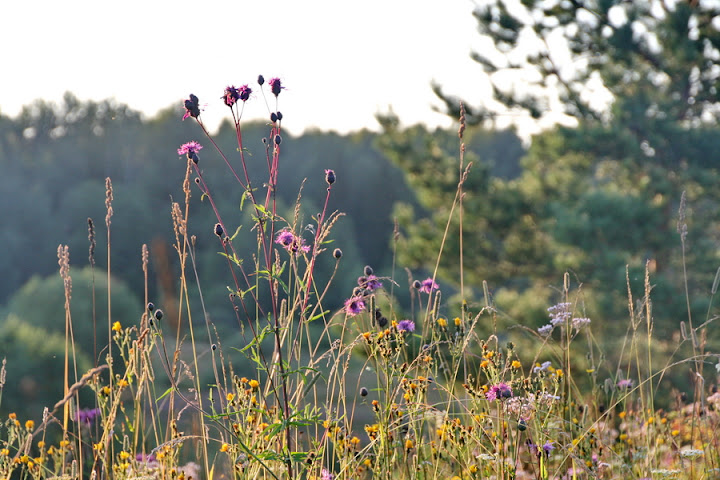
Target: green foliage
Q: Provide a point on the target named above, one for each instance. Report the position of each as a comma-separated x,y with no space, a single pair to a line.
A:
40,303
35,367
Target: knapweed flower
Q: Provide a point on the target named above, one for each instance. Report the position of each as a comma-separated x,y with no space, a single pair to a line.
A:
326,475
625,384
428,285
499,390
369,282
329,177
87,415
548,447
190,149
192,107
275,86
406,326
291,242
231,95
245,92
354,306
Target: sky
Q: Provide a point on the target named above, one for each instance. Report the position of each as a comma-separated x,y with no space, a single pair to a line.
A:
342,62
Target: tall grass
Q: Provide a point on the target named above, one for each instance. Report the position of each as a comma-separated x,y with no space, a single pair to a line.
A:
364,391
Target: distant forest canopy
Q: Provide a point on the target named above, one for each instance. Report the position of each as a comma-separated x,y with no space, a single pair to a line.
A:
55,158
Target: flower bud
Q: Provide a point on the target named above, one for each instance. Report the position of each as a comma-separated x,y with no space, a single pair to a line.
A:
261,79
337,253
329,177
363,392
368,270
279,115
151,306
219,230
278,139
159,314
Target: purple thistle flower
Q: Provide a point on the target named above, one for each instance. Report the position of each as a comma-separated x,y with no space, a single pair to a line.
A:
499,390
428,285
87,415
189,148
548,447
326,475
231,95
291,242
370,282
275,86
625,384
354,306
245,92
406,326
192,107
285,238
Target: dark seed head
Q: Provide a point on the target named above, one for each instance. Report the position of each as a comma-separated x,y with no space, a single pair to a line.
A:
337,253
382,322
273,117
279,115
261,79
159,314
219,230
416,284
278,139
151,306
214,347
363,392
368,270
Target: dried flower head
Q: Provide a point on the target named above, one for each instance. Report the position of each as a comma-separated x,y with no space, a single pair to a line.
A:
275,86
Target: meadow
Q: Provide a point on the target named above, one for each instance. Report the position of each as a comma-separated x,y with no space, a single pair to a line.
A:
375,389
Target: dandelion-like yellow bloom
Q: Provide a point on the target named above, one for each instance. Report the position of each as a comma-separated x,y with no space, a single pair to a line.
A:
254,384
224,447
117,327
29,425
621,415
98,447
230,397
12,416
458,321
124,455
409,445
516,364
559,372
4,452
442,322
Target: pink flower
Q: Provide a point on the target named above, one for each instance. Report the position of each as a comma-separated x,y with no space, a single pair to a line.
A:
275,86
428,285
354,306
189,148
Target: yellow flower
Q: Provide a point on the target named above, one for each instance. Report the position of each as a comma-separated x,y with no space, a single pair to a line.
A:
230,397
559,372
516,364
12,416
622,415
442,322
41,444
29,425
254,383
4,452
98,447
409,444
225,447
117,327
124,455
675,433
458,322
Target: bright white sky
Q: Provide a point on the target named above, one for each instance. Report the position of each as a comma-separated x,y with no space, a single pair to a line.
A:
341,62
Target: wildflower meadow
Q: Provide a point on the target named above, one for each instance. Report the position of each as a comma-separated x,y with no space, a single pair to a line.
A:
424,385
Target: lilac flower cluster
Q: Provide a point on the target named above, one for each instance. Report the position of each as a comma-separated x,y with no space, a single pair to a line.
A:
559,315
291,242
